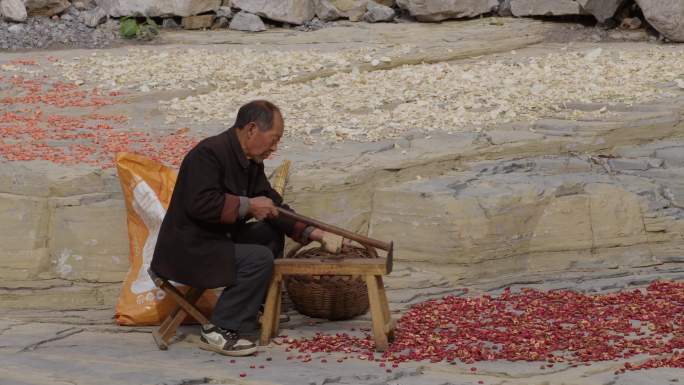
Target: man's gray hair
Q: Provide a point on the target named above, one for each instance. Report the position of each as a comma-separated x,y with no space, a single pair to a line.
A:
261,112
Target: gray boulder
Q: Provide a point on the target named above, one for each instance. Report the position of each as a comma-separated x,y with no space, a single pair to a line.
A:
13,10
673,156
545,7
46,7
330,10
666,16
224,11
94,17
325,10
602,10
622,164
505,8
221,23
16,28
377,12
438,10
170,23
286,11
118,8
84,5
244,21
198,21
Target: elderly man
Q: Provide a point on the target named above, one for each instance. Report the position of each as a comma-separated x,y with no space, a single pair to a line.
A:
205,240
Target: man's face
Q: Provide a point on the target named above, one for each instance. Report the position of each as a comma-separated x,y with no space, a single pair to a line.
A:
260,145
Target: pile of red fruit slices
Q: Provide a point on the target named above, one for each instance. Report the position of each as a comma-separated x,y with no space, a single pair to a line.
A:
559,326
29,133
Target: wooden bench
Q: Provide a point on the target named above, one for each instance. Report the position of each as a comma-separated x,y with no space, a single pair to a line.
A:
372,269
185,305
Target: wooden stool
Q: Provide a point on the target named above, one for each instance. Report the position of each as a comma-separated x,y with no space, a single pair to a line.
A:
185,304
372,269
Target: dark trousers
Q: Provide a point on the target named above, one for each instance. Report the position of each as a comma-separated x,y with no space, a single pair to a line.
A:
256,245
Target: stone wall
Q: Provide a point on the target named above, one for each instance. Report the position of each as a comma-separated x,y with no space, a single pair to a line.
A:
64,237
511,217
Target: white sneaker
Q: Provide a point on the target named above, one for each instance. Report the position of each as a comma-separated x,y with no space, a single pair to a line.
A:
225,342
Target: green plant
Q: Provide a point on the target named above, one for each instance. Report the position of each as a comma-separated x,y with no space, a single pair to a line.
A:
130,28
148,30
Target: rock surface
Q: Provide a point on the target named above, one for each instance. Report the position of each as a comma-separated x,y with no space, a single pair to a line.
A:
336,9
544,8
118,8
377,12
46,7
170,23
438,10
287,11
82,347
84,5
570,216
40,32
245,21
198,22
94,17
602,10
220,23
666,16
224,12
13,10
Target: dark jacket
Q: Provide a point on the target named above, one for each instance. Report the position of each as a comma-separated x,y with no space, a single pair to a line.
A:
194,245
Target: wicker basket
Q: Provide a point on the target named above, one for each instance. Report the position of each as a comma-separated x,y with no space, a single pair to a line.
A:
334,297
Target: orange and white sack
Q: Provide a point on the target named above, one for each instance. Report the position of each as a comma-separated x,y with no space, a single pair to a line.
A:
147,186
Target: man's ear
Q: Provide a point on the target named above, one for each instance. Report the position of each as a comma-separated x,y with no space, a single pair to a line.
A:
251,129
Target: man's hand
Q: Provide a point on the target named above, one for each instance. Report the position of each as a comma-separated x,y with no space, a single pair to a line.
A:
262,208
331,243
